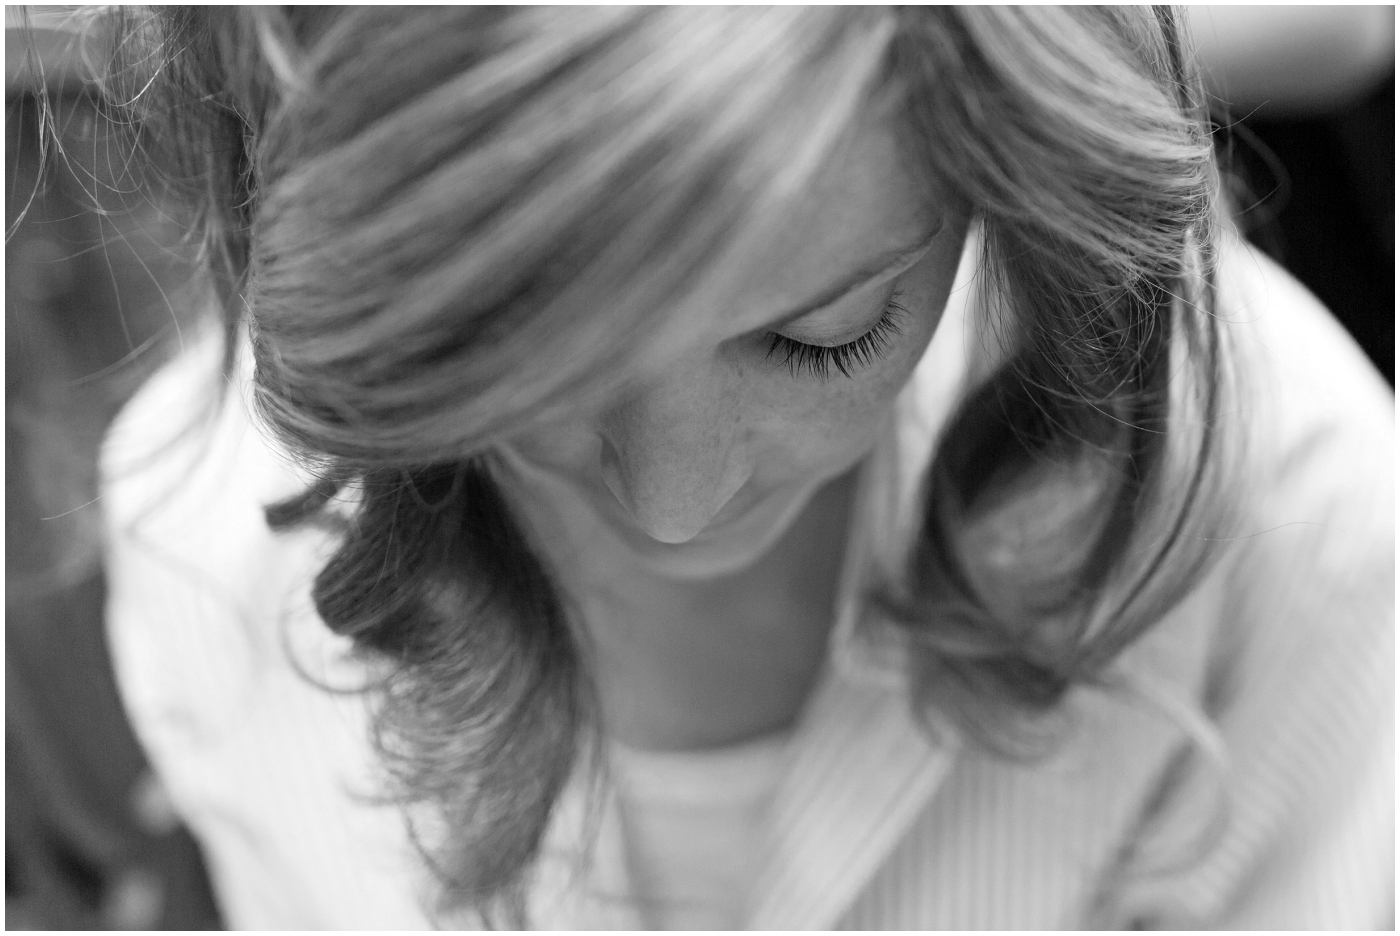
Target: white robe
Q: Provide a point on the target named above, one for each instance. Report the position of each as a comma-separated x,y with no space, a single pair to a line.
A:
1283,656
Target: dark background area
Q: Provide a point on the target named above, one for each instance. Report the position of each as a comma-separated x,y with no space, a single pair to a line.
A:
97,277
1323,205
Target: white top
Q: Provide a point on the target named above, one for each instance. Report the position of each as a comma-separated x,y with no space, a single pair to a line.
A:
1282,657
693,821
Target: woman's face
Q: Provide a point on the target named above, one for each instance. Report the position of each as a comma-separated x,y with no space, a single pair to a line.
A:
803,339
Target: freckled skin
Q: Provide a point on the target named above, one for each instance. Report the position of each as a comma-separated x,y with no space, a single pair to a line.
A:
696,519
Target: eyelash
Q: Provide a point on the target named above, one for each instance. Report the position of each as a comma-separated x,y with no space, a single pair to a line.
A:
818,360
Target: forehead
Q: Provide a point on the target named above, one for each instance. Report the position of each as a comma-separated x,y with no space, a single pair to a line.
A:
865,202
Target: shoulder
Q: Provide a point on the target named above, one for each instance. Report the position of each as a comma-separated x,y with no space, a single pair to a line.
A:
186,475
1299,622
243,700
1309,425
1296,379
194,572
195,578
1307,430
187,443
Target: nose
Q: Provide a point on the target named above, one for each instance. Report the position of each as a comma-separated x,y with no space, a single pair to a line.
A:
672,451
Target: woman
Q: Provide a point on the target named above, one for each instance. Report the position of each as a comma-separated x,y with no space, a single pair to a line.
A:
747,468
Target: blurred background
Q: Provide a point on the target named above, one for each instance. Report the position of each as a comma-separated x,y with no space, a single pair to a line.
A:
99,275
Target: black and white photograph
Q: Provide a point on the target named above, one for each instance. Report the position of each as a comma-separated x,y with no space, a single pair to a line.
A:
700,467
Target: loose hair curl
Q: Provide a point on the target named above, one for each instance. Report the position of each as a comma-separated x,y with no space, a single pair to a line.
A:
414,204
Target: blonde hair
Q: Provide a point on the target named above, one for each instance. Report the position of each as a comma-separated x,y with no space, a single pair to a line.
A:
447,222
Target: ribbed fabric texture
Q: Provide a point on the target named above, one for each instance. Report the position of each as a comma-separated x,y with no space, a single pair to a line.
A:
1284,654
693,822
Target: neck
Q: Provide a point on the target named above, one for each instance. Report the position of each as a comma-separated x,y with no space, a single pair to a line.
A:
685,664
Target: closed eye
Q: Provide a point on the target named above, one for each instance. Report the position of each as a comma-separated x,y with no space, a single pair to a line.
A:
818,360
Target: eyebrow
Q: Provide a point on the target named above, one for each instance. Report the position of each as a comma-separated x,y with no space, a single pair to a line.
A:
881,265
